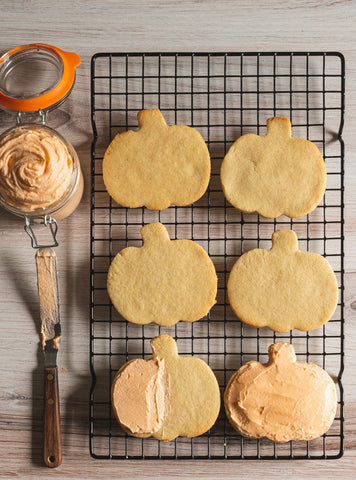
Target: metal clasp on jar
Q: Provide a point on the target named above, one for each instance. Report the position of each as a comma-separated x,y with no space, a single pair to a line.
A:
47,221
25,117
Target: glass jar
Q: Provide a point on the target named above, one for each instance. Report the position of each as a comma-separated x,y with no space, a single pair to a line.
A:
29,149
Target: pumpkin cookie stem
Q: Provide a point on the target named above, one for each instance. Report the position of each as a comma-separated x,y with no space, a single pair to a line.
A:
281,353
279,126
164,346
284,240
154,233
151,117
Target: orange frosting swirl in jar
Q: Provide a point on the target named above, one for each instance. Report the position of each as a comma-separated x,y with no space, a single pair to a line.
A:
35,168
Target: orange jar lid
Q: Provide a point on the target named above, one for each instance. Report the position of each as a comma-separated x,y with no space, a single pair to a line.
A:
36,77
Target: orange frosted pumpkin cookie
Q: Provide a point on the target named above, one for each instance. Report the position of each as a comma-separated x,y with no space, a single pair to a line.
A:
282,400
167,396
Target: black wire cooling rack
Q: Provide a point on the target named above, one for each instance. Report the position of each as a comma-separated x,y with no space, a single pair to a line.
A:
223,95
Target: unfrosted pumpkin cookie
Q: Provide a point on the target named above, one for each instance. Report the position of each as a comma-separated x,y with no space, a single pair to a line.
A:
166,396
282,400
163,281
157,165
283,288
274,175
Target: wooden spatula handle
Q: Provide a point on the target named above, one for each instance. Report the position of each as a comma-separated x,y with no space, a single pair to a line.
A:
52,451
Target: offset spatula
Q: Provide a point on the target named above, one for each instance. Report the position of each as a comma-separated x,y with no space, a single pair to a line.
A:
51,333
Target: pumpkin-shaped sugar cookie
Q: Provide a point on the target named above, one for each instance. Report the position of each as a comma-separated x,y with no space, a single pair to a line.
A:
283,288
167,396
163,281
282,400
157,165
274,175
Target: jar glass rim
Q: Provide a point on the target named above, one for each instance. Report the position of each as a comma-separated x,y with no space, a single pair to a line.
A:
49,74
30,56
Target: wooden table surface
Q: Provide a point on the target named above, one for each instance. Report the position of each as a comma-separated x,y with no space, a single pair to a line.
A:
157,25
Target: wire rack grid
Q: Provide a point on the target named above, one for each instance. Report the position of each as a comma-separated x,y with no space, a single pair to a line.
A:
223,95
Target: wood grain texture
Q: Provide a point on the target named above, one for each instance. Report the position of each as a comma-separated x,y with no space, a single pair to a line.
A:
108,25
52,439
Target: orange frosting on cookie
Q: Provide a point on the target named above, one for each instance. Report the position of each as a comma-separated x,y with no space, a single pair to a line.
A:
283,399
139,395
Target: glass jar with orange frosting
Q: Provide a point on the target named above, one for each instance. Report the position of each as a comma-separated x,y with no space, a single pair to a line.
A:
40,175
